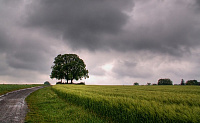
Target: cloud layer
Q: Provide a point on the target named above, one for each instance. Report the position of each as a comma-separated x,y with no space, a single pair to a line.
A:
81,23
163,27
142,40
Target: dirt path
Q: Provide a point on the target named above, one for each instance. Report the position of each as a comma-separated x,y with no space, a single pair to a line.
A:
13,107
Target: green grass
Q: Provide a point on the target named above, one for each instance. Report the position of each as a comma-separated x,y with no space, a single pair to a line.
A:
45,106
4,88
136,103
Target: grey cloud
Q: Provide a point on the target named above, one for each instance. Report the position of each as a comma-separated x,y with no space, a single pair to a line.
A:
33,32
174,43
131,69
82,23
197,6
172,33
3,43
97,71
20,48
3,65
27,57
198,2
23,53
99,25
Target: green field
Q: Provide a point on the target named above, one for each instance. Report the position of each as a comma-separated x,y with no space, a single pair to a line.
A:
135,103
120,104
4,88
46,107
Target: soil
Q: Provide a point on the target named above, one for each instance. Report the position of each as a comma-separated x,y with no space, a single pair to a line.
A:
13,107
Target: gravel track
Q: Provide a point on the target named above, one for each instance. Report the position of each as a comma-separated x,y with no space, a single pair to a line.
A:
13,107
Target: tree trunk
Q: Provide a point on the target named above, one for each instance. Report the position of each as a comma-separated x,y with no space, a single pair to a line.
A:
71,81
67,81
61,80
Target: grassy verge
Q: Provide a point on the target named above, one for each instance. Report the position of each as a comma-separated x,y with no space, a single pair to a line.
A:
4,88
45,106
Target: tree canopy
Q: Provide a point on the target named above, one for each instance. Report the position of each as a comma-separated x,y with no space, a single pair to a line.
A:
69,67
165,82
192,82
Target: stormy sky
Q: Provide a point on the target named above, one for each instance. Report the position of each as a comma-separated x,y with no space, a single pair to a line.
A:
121,41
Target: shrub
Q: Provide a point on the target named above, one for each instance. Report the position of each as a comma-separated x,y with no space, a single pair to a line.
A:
136,83
47,83
148,83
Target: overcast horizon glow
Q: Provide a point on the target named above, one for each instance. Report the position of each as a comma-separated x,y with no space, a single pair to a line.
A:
121,42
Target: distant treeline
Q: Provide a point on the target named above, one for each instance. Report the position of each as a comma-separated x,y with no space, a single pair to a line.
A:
167,81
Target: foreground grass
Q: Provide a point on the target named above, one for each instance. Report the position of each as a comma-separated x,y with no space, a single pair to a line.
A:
136,103
45,106
4,88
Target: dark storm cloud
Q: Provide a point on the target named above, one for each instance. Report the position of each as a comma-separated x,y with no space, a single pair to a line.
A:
167,28
22,53
29,55
3,43
156,39
19,48
198,2
83,23
99,25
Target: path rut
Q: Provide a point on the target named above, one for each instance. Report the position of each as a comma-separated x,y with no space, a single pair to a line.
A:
13,107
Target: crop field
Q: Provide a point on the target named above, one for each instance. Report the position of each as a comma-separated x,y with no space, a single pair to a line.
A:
136,103
4,88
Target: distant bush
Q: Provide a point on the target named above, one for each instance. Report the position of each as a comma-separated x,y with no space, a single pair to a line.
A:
136,83
165,82
47,83
148,83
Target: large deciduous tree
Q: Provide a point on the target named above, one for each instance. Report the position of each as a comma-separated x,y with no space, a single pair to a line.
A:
69,67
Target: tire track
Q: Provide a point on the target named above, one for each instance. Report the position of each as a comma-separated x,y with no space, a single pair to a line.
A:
13,107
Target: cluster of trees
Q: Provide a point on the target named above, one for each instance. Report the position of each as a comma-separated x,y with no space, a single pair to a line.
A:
169,82
69,67
165,82
190,82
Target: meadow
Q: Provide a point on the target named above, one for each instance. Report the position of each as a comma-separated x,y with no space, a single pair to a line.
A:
135,103
4,88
